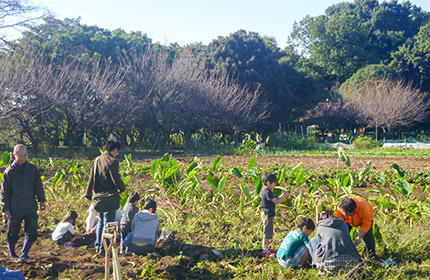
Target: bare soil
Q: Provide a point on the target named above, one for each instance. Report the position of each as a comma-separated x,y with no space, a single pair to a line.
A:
319,162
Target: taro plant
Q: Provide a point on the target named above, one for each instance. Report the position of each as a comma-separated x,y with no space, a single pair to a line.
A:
166,172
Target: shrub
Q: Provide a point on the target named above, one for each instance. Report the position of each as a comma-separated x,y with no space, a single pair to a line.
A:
365,142
291,141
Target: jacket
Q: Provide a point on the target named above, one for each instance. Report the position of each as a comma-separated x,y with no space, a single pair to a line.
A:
335,240
106,177
362,217
144,228
21,185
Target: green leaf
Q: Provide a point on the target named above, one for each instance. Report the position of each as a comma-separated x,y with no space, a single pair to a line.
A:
258,185
222,182
166,157
378,236
171,171
184,200
5,158
281,175
124,198
236,172
353,233
342,155
295,170
385,203
216,163
252,162
126,179
404,187
399,170
300,179
345,180
251,172
246,191
191,165
213,181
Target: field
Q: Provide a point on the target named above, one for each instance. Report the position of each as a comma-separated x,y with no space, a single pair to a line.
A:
211,205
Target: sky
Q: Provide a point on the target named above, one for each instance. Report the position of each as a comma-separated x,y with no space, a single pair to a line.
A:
190,21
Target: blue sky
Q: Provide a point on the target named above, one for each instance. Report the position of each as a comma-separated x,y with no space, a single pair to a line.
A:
188,21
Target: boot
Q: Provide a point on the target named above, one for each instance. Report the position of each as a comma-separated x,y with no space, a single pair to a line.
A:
11,247
25,250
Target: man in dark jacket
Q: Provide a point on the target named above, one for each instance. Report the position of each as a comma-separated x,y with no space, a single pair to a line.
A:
334,248
21,185
105,178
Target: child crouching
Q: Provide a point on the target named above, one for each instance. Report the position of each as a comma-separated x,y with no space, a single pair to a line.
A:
294,249
64,232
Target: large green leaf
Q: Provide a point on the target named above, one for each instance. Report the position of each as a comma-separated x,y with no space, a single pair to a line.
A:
404,187
295,170
171,171
212,180
236,172
399,170
258,185
281,174
216,163
252,162
301,178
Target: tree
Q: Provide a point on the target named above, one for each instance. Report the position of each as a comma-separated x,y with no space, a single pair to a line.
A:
369,73
257,62
350,36
16,14
413,60
43,100
387,104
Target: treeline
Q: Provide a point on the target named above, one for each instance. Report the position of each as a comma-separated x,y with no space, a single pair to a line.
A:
67,83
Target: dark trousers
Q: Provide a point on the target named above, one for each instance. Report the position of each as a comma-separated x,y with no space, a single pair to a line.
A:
30,227
369,240
68,236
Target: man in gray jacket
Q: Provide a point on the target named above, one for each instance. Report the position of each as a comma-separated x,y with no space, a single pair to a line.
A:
21,185
144,229
333,249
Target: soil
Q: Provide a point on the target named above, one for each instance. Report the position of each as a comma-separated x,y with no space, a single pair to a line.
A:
172,259
319,162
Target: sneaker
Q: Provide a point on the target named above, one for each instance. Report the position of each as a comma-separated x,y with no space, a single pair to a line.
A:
269,253
68,244
26,260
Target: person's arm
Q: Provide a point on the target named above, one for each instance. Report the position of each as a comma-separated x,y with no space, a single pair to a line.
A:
38,189
366,223
79,235
281,198
116,177
5,197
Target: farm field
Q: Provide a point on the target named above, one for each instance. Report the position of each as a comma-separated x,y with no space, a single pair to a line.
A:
212,206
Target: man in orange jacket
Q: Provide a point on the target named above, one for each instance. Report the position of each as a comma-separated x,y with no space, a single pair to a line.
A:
357,212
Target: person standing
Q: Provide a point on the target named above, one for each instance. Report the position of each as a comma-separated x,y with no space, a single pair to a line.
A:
105,181
21,186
